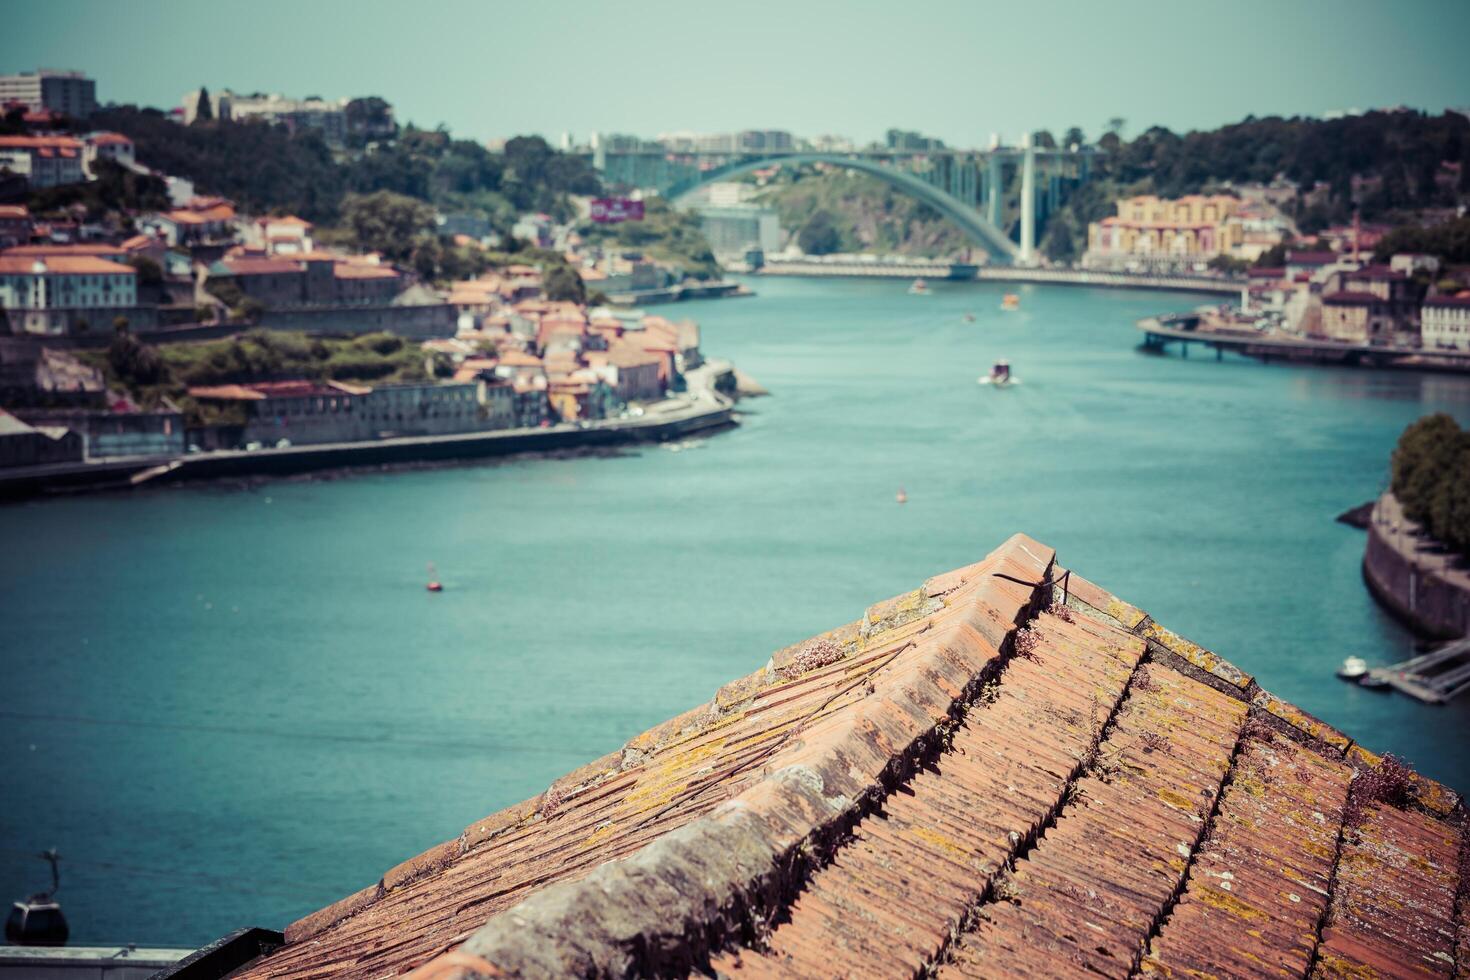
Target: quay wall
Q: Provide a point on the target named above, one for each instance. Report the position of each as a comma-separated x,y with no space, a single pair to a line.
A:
1408,586
717,412
1112,280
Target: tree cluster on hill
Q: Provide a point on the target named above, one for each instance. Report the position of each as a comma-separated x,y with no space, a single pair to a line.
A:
1381,164
150,372
268,168
1450,240
116,189
1431,478
666,233
841,211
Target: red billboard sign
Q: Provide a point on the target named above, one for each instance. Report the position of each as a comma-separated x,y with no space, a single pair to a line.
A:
610,210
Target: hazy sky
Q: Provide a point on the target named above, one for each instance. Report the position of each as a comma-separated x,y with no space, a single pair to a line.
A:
958,69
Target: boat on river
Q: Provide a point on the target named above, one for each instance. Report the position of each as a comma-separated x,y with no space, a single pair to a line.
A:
1000,376
1010,302
919,288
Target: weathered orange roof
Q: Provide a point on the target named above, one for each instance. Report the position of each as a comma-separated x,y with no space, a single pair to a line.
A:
83,265
1007,771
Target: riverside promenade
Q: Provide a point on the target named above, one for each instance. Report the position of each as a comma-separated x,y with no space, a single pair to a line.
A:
1184,330
1113,280
701,408
1412,576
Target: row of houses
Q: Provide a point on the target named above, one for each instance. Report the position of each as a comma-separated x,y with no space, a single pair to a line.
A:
1337,296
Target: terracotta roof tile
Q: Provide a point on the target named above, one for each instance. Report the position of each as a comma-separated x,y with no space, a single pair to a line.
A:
966,780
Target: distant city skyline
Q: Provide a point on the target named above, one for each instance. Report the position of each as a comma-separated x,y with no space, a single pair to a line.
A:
954,70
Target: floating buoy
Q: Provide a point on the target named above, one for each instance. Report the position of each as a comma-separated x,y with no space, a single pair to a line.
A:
902,497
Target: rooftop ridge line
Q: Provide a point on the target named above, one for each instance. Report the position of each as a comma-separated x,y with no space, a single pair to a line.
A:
723,874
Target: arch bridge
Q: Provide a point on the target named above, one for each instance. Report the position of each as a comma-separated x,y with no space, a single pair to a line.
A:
969,188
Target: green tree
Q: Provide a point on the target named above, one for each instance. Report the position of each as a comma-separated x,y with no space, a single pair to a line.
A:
1426,455
135,363
562,283
1074,137
393,224
205,112
819,236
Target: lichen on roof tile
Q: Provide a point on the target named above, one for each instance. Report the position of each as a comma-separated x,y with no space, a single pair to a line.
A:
869,801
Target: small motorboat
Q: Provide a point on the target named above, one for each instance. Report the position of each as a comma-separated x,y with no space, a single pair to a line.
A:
902,497
1353,669
919,288
969,318
434,584
1010,301
1000,376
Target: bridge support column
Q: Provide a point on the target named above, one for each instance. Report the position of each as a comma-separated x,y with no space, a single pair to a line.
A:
1028,205
994,177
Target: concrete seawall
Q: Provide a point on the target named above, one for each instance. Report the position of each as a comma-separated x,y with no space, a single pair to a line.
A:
1430,592
708,411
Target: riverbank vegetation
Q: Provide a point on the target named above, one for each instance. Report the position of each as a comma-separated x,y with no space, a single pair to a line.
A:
149,373
1431,478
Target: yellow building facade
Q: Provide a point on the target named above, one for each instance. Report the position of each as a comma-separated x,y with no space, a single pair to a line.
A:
1196,227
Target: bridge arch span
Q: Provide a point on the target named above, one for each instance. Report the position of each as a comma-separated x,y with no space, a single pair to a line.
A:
969,220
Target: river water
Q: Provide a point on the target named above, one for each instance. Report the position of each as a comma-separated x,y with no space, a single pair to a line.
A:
232,706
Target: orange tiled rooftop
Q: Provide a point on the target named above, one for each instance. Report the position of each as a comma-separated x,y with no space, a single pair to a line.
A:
1005,772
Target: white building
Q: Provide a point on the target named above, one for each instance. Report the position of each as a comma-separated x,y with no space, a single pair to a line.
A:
106,146
325,117
1444,323
56,295
68,92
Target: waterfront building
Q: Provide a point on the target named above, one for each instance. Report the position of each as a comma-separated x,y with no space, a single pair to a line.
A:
902,764
23,444
15,225
44,161
735,229
1445,322
121,429
69,93
65,294
308,412
1356,317
1157,233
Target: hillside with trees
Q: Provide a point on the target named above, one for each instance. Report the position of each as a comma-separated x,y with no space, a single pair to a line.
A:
266,168
1388,165
841,211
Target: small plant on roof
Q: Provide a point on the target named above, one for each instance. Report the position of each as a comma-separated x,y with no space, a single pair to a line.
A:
1060,611
818,653
1144,681
1389,782
1027,641
1154,742
550,801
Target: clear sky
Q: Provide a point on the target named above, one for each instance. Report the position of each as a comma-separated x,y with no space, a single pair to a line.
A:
957,69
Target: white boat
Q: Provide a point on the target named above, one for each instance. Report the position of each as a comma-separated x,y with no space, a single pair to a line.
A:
1353,669
919,288
1000,376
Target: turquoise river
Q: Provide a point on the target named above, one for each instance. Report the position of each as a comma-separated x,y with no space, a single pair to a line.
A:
229,706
